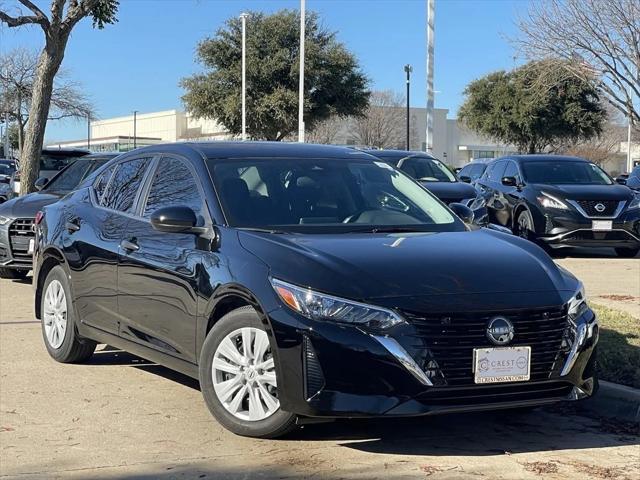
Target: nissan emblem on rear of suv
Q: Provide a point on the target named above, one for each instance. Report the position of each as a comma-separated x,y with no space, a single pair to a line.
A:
500,331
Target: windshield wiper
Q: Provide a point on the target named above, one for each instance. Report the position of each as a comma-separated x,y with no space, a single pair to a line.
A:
261,230
389,229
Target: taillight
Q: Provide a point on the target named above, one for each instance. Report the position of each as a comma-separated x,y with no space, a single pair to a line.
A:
39,217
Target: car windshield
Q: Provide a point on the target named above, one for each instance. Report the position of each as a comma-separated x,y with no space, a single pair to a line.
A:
563,172
426,169
325,196
6,169
57,161
68,179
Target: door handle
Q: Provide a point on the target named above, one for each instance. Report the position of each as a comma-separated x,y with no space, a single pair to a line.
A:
129,245
72,226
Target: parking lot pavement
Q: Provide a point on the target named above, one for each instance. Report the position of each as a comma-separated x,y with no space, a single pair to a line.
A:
120,417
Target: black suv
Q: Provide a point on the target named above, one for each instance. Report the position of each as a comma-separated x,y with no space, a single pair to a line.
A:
302,281
562,201
18,215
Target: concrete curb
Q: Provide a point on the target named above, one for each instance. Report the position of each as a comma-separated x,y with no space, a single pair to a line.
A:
616,401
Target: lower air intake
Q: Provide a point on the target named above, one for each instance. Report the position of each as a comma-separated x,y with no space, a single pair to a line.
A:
314,378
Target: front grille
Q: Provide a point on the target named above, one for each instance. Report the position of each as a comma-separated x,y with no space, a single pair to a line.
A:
20,233
589,206
451,338
591,236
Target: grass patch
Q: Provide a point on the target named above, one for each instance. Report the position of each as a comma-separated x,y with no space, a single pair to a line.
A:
619,346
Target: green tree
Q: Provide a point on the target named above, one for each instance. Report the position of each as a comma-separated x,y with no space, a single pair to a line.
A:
533,107
57,27
334,83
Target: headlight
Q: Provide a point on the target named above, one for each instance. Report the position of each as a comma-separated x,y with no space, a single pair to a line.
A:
549,201
635,202
4,220
578,303
319,306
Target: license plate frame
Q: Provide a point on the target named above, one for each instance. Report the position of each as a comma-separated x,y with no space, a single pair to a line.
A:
501,364
602,225
32,245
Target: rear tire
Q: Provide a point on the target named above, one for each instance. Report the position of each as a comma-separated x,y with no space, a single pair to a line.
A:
240,385
59,323
13,274
627,252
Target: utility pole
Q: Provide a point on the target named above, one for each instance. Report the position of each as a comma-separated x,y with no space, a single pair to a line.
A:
429,132
301,81
135,133
244,16
408,69
6,134
88,130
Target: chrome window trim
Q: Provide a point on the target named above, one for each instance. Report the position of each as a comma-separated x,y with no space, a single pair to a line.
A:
576,205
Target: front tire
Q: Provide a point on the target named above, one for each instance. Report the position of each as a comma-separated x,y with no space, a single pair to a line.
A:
524,227
13,274
238,378
627,252
59,323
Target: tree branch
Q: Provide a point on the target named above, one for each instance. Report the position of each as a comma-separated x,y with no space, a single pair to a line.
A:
18,21
34,8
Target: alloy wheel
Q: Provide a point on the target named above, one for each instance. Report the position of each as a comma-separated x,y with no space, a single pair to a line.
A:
244,376
524,226
55,314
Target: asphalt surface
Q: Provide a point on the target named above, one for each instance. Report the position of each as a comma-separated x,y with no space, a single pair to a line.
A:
120,417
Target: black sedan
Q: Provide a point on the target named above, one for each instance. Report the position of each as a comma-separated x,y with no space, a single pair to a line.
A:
562,201
437,178
17,215
299,281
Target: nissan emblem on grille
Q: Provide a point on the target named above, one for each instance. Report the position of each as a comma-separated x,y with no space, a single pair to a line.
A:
500,331
600,207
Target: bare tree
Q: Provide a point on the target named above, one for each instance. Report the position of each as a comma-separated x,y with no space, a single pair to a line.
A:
382,124
16,79
326,131
599,38
57,27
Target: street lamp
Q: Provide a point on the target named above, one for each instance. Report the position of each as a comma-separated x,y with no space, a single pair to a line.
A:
135,133
243,17
88,130
408,69
301,81
430,22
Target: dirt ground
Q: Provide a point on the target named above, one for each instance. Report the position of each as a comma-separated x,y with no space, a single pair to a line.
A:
120,417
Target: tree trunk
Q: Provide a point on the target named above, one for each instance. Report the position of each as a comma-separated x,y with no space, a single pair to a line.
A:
48,65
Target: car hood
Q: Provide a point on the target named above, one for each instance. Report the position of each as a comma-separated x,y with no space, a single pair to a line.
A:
28,205
450,191
587,192
368,266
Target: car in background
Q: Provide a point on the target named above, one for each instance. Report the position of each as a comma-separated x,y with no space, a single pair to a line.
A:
17,215
52,160
7,168
435,177
472,171
562,201
631,180
301,281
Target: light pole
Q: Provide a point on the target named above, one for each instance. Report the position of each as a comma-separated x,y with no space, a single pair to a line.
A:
88,130
135,126
243,17
301,81
408,69
429,132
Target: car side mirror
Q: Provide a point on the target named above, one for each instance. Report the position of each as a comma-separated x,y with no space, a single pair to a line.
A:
621,180
510,181
465,179
174,220
41,183
462,211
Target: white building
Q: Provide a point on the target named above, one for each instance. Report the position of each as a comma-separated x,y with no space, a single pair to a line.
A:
453,144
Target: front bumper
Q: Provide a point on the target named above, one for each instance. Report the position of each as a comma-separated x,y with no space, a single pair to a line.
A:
570,228
328,370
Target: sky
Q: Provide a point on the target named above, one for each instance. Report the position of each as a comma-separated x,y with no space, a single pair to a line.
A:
137,63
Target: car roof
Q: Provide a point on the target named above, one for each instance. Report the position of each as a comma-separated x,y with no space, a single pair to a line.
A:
397,153
542,158
236,149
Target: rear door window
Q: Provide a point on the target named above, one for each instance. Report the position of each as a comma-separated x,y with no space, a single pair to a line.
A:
497,171
122,190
